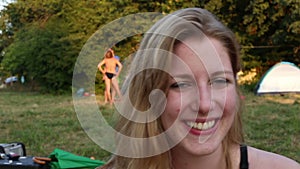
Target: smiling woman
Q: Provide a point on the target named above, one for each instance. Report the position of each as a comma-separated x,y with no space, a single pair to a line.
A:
186,65
214,108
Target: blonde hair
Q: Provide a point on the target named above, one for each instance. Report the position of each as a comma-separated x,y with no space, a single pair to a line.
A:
144,78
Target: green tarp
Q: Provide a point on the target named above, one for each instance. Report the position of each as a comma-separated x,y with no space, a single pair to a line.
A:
65,160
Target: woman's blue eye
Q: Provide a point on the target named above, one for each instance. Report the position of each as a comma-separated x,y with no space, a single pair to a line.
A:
179,85
219,82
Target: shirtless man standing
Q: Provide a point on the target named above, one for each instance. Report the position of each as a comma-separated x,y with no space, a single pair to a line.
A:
110,72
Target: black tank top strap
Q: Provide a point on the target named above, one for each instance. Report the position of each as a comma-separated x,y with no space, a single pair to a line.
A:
244,164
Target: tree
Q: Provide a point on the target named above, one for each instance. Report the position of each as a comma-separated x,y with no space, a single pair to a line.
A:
272,33
52,33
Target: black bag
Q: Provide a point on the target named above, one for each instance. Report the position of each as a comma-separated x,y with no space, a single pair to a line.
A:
13,156
24,162
13,148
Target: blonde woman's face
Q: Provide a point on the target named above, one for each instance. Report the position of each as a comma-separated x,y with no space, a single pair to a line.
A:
202,97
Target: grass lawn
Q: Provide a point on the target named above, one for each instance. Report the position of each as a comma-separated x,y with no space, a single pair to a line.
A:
272,123
46,122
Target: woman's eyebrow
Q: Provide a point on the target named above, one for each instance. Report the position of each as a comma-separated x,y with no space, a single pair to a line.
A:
217,73
189,75
179,77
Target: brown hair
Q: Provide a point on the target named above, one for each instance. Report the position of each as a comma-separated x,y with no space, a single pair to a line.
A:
108,54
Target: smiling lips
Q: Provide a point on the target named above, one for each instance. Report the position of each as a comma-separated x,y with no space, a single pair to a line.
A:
201,125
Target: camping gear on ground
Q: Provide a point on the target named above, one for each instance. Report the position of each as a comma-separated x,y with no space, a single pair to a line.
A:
283,77
11,79
13,148
42,160
13,156
61,159
23,162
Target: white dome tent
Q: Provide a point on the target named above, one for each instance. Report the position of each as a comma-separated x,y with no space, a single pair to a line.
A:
283,77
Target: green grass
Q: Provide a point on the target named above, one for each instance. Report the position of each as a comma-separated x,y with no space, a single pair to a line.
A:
46,122
43,123
272,123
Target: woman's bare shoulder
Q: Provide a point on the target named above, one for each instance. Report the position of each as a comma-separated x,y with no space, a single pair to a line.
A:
259,159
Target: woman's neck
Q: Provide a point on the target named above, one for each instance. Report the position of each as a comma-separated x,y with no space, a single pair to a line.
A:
182,159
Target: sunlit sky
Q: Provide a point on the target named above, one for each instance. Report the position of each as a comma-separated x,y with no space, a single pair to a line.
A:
4,2
1,5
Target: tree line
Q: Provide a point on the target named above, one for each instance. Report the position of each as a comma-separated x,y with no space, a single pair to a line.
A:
41,39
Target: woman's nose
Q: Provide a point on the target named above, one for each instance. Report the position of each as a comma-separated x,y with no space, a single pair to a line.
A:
205,100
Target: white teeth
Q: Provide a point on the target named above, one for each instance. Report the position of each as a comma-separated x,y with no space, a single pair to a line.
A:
195,125
201,126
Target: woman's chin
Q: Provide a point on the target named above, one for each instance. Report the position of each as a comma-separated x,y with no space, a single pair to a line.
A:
202,145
